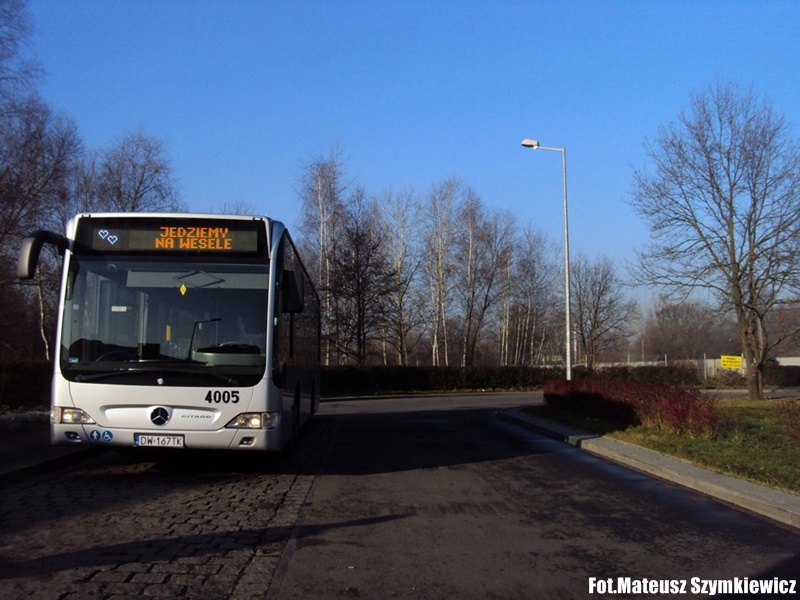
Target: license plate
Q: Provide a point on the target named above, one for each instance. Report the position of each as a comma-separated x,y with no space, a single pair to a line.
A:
158,441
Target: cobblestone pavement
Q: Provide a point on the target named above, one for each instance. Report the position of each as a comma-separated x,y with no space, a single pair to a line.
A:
190,525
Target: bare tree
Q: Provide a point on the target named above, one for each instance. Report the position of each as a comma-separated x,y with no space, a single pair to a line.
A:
83,195
364,281
17,71
686,330
722,205
37,152
786,319
135,176
483,242
602,315
530,308
322,217
441,210
399,218
37,149
237,207
44,174
37,146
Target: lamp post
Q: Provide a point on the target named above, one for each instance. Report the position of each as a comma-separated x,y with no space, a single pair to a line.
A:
529,143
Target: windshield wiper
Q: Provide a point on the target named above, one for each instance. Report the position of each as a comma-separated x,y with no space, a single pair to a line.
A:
105,374
166,366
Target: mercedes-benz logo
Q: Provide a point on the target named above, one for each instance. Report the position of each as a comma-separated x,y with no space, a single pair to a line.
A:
160,416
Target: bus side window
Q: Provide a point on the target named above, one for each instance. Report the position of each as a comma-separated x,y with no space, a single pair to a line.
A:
292,291
281,338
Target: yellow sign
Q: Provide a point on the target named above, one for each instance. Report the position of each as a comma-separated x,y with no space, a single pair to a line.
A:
731,362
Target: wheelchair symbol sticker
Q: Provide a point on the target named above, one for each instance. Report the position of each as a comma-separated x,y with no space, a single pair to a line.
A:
96,435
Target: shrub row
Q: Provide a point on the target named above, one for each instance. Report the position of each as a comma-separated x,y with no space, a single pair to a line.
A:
355,381
361,381
25,384
676,374
781,376
675,408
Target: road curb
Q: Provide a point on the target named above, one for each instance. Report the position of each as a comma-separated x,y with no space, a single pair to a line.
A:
776,505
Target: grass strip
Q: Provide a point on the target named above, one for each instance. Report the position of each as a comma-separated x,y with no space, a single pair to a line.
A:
752,441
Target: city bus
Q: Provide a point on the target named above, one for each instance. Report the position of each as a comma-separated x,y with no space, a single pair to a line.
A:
181,331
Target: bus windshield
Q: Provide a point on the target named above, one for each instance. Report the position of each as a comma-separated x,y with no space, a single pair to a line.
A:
132,321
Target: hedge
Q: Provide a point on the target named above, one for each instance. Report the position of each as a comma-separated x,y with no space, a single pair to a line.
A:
25,384
361,381
781,376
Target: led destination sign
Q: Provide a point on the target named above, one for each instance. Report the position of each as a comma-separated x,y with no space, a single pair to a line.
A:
157,235
185,238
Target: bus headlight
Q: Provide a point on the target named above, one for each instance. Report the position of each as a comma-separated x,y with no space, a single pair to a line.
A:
69,416
255,421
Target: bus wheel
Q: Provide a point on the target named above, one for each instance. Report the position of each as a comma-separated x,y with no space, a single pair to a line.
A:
311,408
289,448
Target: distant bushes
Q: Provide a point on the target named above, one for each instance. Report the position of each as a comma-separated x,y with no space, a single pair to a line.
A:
25,384
359,381
362,381
28,384
678,409
676,374
661,396
781,376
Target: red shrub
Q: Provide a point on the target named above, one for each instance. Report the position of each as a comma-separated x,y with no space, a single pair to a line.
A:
680,409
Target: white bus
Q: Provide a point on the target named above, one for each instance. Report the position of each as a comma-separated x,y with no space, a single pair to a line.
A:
181,331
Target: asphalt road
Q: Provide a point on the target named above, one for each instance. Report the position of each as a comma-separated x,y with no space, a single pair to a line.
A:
390,498
443,500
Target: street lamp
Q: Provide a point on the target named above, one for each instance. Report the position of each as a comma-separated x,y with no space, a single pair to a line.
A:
529,143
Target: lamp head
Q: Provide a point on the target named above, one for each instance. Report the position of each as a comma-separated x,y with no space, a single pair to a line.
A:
529,143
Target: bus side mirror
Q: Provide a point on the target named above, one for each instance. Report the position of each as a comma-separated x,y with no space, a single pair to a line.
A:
292,291
32,246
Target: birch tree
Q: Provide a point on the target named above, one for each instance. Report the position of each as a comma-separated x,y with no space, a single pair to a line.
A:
399,217
322,217
441,211
483,243
530,306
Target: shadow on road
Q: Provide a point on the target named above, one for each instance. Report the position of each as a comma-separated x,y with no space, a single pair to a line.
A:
169,549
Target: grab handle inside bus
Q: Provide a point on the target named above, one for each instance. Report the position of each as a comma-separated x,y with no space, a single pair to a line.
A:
32,246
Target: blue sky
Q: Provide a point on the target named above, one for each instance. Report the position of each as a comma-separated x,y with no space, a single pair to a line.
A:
245,92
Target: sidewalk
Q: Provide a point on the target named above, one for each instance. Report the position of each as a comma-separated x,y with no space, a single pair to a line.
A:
782,507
